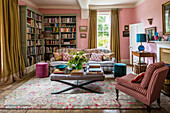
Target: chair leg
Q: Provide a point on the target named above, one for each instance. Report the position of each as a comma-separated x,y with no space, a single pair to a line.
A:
158,101
117,94
148,108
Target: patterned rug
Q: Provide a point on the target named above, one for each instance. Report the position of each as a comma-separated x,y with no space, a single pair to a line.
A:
36,94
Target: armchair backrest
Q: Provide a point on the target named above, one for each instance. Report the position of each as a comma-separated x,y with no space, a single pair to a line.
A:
156,83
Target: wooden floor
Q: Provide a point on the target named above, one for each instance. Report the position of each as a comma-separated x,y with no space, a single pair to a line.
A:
5,90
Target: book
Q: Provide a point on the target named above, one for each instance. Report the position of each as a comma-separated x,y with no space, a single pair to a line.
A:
57,71
94,65
95,70
94,73
77,72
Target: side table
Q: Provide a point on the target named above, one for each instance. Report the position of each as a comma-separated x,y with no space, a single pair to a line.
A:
142,54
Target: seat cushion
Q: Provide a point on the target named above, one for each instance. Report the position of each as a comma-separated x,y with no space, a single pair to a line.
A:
126,82
149,72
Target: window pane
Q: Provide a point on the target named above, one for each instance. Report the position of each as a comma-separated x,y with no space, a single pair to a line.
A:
100,19
106,34
100,41
100,34
106,27
100,27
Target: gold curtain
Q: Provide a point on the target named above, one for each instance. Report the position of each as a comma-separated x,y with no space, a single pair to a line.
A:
92,41
115,39
12,63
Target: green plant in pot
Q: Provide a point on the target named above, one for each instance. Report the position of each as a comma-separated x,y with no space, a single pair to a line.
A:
78,59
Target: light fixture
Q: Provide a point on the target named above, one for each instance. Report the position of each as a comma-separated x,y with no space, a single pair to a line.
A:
150,21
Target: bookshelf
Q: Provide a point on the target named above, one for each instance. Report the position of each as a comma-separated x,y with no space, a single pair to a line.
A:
31,27
63,29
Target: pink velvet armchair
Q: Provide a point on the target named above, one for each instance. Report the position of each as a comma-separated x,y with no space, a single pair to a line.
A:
150,87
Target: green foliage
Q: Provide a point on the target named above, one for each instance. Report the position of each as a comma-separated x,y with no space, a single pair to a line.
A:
78,59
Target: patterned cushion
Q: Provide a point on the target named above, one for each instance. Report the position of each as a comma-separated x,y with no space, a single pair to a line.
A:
107,56
58,56
149,72
96,57
87,55
105,50
126,81
66,57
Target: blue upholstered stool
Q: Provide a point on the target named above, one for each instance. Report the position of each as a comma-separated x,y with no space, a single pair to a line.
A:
119,69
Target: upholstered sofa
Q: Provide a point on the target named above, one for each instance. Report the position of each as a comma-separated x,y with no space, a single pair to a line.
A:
106,65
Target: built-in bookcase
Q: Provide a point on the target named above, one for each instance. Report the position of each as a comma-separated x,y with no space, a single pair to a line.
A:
31,22
63,30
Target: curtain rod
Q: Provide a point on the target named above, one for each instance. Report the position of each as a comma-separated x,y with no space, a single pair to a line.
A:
109,9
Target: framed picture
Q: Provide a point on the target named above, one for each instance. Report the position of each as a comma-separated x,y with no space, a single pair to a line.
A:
126,28
166,18
82,35
150,33
125,33
83,28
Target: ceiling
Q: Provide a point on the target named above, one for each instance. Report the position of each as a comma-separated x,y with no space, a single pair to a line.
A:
83,4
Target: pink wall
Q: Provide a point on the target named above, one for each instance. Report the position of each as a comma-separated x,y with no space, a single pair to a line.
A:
125,18
82,43
149,9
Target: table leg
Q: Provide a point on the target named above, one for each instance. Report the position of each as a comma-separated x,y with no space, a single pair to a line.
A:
132,62
139,63
153,59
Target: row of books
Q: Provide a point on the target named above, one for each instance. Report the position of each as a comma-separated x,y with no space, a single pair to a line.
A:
30,51
30,43
30,30
29,36
30,14
68,20
38,42
52,20
55,29
38,17
52,42
39,25
55,36
67,25
68,42
39,50
51,49
68,29
72,35
39,58
38,31
32,22
30,60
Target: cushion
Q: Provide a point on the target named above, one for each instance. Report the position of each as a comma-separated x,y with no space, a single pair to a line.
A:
126,82
87,55
96,57
138,78
91,50
149,73
66,57
107,56
58,56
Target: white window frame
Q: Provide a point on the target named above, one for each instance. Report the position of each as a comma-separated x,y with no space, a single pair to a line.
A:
102,14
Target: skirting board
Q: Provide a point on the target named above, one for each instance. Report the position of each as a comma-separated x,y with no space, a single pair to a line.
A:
126,61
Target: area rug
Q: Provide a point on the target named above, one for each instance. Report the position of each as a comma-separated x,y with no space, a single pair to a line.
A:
36,94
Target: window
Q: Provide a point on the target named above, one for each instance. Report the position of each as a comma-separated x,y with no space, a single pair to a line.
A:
103,30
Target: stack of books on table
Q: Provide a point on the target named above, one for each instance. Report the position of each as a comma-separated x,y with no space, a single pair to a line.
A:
77,72
94,69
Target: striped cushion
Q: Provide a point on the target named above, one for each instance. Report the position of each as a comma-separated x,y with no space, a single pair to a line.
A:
149,71
126,81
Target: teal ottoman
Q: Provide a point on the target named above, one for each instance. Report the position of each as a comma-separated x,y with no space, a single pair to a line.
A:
119,69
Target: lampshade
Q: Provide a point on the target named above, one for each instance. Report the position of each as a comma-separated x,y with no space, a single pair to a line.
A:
140,37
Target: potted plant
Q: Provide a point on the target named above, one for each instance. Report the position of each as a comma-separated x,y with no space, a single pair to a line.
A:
78,59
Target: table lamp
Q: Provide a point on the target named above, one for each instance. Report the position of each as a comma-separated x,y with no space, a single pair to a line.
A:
141,38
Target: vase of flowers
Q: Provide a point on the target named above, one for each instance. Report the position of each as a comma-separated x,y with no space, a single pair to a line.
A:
78,59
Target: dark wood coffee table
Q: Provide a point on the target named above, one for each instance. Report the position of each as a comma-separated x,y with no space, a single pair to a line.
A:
88,78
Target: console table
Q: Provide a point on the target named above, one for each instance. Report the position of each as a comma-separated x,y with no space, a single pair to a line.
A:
142,54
